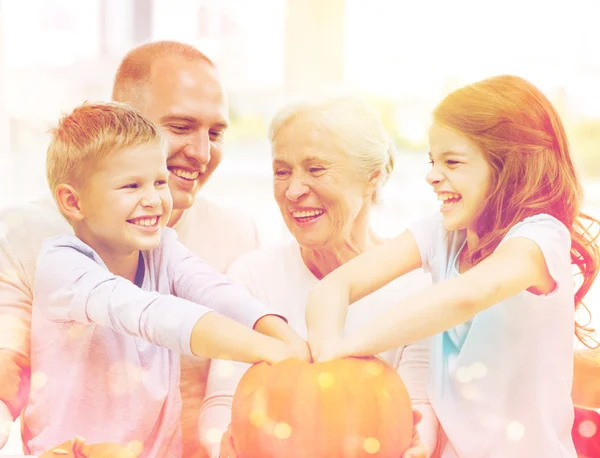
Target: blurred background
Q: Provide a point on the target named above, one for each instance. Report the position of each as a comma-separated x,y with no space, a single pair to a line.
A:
403,56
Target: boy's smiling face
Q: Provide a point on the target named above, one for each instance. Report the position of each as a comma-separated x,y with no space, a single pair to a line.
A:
126,202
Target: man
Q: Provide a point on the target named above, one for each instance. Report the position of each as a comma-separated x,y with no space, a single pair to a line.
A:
178,88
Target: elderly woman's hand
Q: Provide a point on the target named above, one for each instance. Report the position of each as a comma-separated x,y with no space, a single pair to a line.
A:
227,446
417,448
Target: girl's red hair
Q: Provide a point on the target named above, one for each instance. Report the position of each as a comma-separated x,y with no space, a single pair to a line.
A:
524,141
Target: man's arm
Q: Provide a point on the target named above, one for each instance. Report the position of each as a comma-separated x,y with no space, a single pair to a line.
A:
15,324
586,379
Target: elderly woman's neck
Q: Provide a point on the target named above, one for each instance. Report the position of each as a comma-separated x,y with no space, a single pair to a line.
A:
324,260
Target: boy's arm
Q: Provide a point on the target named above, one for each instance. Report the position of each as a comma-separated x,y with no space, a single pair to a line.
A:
71,286
195,281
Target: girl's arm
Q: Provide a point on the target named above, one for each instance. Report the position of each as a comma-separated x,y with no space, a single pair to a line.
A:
516,265
328,301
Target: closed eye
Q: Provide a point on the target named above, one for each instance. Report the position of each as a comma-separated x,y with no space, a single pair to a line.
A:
282,173
178,128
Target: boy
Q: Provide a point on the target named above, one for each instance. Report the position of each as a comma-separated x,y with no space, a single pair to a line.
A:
115,303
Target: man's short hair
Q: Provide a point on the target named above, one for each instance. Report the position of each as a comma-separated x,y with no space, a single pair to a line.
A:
90,133
133,75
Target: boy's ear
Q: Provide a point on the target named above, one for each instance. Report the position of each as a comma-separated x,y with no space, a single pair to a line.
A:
68,200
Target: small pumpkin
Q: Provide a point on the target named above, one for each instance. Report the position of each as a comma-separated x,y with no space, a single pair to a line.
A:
79,449
345,408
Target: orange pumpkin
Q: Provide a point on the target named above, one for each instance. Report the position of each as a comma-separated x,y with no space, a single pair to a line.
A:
346,408
79,449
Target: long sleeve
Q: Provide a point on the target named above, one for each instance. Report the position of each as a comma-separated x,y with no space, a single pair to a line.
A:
72,285
195,281
215,414
413,367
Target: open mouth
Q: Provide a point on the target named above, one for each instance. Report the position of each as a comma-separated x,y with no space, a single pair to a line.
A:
307,216
184,174
449,199
145,222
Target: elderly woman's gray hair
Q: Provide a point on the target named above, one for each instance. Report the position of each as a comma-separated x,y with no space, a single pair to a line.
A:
356,128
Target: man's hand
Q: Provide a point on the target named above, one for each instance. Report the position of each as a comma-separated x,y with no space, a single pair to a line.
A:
11,367
417,448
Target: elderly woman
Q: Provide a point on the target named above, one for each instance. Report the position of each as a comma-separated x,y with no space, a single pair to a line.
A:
330,161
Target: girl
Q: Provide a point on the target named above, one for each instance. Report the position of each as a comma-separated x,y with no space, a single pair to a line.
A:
500,252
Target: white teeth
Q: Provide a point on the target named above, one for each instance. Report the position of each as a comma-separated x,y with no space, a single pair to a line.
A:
448,195
145,221
304,214
185,174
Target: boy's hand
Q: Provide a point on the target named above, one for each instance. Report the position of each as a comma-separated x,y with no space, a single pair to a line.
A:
275,326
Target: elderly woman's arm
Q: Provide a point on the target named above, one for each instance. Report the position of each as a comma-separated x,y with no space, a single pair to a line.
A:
413,367
215,413
586,379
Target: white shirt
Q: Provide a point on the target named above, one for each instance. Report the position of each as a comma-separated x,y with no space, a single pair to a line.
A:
278,277
500,383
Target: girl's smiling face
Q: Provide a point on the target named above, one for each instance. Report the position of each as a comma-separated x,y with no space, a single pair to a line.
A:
460,176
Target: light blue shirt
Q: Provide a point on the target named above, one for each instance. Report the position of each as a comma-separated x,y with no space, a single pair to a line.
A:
105,353
500,383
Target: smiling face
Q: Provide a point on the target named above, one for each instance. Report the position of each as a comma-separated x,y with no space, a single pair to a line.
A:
322,195
185,98
459,175
126,202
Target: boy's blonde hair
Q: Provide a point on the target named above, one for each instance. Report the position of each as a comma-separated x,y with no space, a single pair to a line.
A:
90,133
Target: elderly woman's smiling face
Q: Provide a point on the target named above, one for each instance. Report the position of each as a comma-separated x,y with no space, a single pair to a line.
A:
321,192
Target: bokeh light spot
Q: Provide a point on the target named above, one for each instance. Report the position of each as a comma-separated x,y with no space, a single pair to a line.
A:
325,379
374,368
38,380
515,431
478,370
282,430
135,447
258,418
371,445
225,369
587,429
214,435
